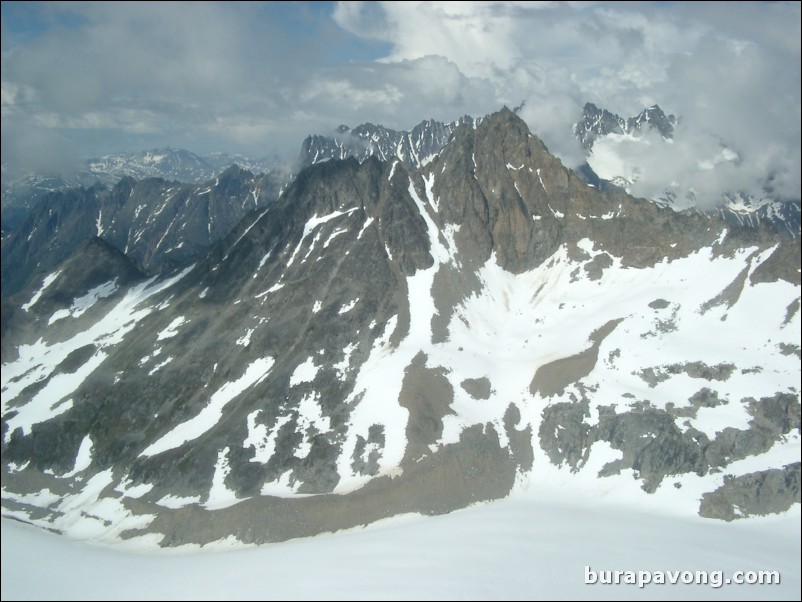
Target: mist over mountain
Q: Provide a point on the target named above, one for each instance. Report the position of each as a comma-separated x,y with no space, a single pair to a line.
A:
631,153
598,123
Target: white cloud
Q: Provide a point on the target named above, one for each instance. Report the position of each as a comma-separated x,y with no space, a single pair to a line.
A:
245,77
732,74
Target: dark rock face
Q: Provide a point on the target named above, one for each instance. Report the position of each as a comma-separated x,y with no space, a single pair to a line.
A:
552,378
754,494
474,470
427,394
478,388
389,339
654,446
52,230
524,212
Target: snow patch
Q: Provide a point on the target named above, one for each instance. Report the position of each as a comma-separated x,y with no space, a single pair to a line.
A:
133,491
221,496
272,289
175,502
48,280
304,373
159,366
245,339
367,223
83,459
539,177
172,329
310,226
342,367
262,439
348,307
210,415
310,422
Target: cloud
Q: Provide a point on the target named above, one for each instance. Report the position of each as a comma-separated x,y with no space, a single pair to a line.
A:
398,94
732,74
258,77
157,70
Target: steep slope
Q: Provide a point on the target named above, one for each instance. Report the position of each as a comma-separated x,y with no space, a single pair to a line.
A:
157,223
393,340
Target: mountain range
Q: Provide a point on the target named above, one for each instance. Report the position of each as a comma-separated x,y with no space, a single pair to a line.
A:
158,224
22,189
414,148
164,208
415,332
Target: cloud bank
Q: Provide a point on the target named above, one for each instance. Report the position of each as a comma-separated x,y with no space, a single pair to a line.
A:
256,78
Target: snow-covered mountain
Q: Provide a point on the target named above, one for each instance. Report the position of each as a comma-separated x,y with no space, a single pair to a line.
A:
385,340
171,164
414,148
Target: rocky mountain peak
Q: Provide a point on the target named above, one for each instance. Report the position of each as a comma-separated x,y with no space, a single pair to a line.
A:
414,147
596,123
515,200
157,223
654,118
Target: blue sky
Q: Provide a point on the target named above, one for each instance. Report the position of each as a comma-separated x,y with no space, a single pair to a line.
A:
88,78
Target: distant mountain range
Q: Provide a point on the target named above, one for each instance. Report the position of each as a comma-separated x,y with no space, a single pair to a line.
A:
22,190
164,208
414,148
